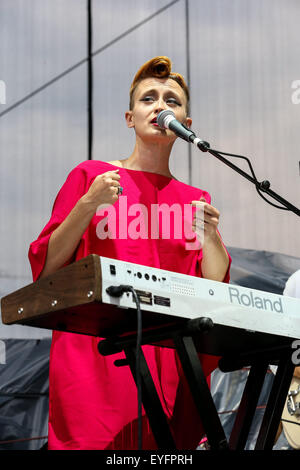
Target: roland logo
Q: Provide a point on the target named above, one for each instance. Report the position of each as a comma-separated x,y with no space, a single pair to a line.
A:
253,300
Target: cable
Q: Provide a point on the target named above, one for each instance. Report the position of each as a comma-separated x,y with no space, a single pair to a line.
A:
188,77
41,88
291,422
25,439
81,62
259,186
30,395
90,77
118,291
137,366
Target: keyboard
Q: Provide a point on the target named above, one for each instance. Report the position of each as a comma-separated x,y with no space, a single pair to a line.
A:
183,296
75,299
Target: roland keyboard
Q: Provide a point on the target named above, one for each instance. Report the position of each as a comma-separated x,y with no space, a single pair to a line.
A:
183,296
75,299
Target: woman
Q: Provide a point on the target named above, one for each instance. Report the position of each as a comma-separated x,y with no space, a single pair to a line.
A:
92,403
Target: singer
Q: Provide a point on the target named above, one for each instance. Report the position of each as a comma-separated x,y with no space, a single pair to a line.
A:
93,403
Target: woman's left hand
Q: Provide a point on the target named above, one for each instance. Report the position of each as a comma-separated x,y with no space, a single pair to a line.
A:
215,259
205,220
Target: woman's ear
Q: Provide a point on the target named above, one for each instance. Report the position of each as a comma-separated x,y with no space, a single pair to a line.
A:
129,119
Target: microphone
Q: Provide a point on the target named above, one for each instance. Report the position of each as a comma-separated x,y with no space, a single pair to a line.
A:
166,120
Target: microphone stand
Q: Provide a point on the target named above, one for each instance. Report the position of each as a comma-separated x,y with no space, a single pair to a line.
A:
263,186
166,120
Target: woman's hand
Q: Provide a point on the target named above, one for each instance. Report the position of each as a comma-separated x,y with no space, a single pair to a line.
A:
205,220
104,189
65,238
215,260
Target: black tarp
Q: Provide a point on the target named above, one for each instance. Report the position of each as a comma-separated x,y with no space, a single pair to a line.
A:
24,394
24,365
262,270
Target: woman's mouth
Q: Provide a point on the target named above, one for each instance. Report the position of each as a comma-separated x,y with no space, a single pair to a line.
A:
154,122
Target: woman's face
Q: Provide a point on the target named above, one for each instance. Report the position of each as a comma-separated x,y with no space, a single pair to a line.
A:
151,96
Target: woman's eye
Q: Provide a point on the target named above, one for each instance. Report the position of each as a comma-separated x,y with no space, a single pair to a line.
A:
173,101
147,98
150,99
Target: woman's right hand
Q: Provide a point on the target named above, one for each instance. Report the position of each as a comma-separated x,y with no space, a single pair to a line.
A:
103,190
65,238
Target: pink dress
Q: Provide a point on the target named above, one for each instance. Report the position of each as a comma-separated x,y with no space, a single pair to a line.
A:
93,403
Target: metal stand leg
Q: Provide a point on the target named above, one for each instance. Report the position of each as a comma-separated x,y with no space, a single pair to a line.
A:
200,391
247,407
182,337
275,403
191,365
151,401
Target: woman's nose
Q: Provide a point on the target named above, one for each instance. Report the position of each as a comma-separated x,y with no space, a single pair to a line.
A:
160,105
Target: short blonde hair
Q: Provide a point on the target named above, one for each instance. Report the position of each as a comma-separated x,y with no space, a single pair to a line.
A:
158,67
